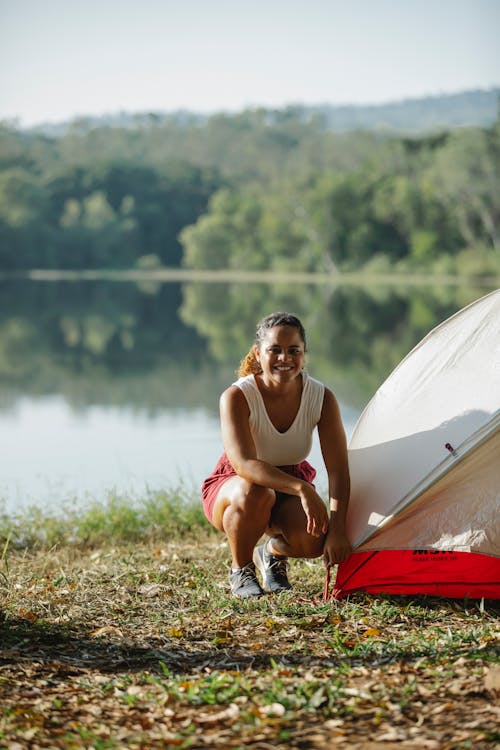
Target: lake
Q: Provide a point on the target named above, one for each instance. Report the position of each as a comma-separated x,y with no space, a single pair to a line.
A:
112,387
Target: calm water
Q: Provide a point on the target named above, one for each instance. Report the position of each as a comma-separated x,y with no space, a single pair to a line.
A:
113,387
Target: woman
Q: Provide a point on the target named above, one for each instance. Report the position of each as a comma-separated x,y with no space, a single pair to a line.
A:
263,484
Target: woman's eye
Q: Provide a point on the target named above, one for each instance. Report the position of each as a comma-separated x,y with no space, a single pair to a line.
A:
276,350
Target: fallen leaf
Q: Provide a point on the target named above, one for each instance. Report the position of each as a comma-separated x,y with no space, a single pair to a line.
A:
175,632
150,590
333,619
423,691
134,690
392,735
333,723
160,553
273,709
492,680
371,633
222,638
357,693
30,733
107,630
230,713
442,707
27,615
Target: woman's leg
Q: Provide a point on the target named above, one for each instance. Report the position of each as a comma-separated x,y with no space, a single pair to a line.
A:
243,511
287,529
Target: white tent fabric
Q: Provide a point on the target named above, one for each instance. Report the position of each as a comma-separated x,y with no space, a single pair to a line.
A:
424,456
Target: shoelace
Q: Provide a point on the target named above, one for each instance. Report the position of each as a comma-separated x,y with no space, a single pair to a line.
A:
279,565
247,573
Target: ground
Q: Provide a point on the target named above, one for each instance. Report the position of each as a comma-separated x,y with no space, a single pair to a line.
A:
139,645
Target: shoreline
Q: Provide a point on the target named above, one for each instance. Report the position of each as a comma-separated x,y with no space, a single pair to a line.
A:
355,278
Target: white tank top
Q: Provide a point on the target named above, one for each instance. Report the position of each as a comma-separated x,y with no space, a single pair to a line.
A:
290,447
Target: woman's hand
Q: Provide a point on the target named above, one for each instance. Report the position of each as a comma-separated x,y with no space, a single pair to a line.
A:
337,547
315,510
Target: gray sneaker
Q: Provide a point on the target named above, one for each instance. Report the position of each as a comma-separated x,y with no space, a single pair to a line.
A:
244,582
273,569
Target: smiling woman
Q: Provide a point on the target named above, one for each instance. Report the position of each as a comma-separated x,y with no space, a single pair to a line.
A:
262,484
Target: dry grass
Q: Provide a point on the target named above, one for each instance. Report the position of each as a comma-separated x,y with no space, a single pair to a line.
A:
138,644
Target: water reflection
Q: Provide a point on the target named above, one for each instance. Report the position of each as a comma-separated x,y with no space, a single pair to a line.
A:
115,385
99,343
55,456
356,335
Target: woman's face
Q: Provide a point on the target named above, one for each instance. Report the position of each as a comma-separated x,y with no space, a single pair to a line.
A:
281,354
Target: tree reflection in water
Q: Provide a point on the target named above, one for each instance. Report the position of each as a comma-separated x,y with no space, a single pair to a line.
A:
115,385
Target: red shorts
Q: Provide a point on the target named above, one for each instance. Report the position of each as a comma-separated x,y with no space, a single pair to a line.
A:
224,471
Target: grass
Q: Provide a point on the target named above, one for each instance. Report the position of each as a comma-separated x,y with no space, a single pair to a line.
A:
118,519
117,630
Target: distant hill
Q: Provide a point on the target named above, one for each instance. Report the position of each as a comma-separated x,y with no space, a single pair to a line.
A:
480,108
469,108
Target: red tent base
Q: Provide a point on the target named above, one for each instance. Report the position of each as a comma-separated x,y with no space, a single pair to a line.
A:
456,575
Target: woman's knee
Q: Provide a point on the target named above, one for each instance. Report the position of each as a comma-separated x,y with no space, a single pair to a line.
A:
240,498
254,498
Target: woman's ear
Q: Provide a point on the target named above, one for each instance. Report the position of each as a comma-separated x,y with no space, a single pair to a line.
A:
256,356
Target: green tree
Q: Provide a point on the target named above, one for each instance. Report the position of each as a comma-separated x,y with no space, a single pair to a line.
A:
467,170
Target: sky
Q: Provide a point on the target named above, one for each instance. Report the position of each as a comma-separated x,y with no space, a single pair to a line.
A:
61,59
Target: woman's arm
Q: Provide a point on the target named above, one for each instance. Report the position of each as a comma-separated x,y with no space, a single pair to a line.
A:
334,449
240,450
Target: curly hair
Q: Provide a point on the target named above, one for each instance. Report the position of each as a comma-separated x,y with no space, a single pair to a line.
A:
249,364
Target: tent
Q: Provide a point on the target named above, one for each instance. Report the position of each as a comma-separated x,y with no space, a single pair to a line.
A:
425,468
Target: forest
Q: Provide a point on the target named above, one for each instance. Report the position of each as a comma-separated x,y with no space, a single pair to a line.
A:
258,190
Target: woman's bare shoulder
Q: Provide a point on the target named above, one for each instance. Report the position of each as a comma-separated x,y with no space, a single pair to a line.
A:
330,404
233,398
